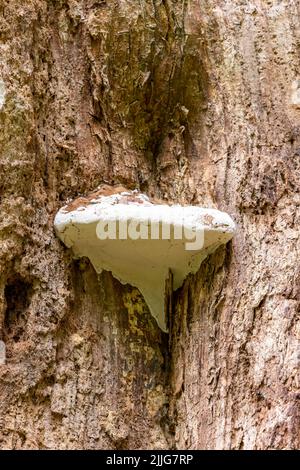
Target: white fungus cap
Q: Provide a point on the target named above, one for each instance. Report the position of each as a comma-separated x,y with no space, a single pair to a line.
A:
141,242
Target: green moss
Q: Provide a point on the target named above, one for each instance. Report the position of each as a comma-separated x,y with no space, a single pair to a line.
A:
155,75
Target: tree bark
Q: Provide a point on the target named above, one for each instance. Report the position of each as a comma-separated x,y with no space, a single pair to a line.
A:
194,102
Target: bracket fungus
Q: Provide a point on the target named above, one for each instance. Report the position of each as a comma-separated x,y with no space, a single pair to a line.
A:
150,245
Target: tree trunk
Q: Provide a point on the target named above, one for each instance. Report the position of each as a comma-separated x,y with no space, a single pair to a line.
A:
195,102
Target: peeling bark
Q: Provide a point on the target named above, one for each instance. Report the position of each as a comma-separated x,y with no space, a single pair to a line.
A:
190,101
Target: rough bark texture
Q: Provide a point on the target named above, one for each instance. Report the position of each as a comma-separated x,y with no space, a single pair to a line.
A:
192,101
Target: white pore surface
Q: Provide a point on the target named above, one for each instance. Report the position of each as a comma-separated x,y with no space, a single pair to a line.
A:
141,263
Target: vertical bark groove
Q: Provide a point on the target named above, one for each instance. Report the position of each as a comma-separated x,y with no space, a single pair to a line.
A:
192,101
